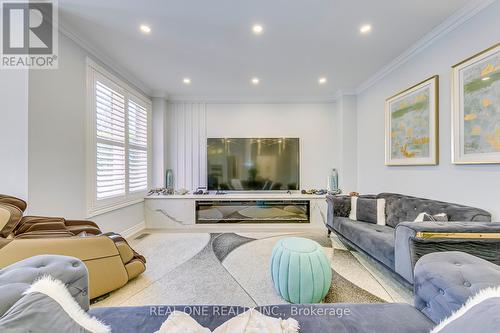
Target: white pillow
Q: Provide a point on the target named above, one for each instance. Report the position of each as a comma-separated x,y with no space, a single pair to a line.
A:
248,322
381,211
181,322
354,207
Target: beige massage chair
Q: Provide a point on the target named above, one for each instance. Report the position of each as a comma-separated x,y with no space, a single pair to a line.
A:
111,262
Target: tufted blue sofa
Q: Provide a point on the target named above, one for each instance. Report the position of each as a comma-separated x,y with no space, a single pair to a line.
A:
16,278
443,282
401,242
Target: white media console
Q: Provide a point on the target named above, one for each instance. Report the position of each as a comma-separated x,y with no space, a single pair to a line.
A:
236,211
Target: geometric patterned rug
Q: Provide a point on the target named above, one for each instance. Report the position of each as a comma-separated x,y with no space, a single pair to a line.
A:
233,269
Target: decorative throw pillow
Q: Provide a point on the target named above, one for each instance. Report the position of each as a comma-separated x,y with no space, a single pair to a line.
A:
47,306
423,217
479,315
250,321
181,322
368,210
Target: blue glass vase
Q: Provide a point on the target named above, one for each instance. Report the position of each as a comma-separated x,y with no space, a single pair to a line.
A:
333,181
169,180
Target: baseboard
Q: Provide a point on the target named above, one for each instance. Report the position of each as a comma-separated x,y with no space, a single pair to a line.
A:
133,230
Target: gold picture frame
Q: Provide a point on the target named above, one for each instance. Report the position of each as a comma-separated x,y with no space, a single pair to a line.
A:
412,125
475,106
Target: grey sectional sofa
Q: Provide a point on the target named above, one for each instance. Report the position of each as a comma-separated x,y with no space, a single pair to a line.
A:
401,242
443,282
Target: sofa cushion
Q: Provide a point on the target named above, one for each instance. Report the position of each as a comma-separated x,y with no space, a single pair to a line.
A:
148,319
352,318
16,278
376,240
403,208
61,313
479,315
313,318
445,280
368,210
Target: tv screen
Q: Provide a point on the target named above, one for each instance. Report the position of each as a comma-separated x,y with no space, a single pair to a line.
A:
253,164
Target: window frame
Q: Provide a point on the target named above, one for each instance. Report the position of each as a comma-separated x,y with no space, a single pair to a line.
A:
94,206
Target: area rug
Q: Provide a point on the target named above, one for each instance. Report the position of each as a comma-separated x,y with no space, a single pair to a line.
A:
233,269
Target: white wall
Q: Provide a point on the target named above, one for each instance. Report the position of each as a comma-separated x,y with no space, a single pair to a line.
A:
191,123
159,115
57,141
14,133
475,185
186,143
348,142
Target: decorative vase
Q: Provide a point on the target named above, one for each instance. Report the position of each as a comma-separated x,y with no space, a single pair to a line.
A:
333,181
169,181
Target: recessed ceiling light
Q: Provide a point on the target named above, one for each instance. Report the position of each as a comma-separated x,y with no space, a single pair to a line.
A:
365,29
145,28
322,80
485,78
186,80
255,80
257,29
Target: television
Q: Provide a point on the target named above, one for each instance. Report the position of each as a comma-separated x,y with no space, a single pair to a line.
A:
253,164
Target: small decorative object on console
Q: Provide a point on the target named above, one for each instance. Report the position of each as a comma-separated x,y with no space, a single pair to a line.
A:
201,190
354,194
169,181
336,192
182,191
158,191
333,181
314,192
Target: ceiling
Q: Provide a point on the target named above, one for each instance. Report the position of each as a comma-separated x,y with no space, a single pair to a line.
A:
212,43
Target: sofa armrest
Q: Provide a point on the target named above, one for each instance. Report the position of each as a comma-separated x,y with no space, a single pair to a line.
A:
415,239
338,206
445,280
16,278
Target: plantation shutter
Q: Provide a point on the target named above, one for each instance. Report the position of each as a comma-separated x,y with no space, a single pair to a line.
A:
138,146
119,133
110,139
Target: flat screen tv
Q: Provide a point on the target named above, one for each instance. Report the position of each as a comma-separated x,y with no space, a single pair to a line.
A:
253,164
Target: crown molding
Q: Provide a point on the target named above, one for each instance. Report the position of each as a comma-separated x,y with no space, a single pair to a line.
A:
104,59
252,100
345,92
450,24
159,94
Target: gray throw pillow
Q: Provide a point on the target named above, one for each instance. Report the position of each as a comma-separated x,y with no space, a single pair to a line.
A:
47,306
478,315
424,217
368,210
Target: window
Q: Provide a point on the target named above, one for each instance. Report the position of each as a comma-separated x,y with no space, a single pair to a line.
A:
118,152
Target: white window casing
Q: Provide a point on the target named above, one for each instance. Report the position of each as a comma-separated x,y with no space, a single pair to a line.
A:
119,142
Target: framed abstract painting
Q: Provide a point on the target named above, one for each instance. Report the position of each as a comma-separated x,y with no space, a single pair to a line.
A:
476,108
411,125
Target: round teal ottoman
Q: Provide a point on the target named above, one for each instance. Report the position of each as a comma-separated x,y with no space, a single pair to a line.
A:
300,271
